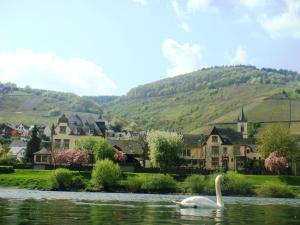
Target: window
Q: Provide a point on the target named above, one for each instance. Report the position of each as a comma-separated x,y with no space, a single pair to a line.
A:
236,150
242,129
188,152
215,150
66,143
44,158
38,158
214,138
57,143
225,151
62,129
215,161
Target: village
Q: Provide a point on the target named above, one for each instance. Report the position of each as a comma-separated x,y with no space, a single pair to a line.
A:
222,149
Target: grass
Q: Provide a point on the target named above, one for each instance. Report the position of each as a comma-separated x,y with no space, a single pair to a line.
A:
39,179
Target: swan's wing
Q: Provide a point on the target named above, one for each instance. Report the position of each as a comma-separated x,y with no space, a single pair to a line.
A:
199,202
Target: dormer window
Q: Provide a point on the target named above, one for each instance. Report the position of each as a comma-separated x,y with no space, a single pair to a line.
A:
62,129
214,138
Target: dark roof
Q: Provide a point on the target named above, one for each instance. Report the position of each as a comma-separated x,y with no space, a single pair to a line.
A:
242,117
194,140
228,135
43,151
63,119
81,125
127,146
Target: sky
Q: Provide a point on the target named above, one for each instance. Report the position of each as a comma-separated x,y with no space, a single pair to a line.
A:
100,47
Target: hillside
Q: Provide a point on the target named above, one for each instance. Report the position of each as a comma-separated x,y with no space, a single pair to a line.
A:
31,106
191,103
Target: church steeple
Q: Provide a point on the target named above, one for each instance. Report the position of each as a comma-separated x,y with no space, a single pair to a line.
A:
242,124
242,117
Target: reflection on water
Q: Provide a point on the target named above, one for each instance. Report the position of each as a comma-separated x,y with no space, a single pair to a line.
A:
35,207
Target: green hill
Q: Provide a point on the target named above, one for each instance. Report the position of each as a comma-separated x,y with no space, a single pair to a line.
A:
191,103
33,106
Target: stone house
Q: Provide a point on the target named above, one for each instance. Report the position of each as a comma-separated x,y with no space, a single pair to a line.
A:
222,148
68,130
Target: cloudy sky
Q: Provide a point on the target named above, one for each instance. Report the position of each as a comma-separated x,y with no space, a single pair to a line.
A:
99,47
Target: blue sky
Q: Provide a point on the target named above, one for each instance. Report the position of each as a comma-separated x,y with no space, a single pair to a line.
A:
97,47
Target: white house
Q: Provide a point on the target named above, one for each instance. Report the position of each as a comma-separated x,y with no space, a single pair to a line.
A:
17,148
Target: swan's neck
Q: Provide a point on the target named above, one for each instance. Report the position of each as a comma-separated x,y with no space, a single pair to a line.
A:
218,193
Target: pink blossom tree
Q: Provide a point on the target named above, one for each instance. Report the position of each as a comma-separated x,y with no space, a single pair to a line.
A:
71,157
275,163
120,156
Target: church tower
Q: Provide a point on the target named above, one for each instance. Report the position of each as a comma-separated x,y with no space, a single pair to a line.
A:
242,124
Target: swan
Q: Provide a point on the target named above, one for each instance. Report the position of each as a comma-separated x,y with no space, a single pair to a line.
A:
203,202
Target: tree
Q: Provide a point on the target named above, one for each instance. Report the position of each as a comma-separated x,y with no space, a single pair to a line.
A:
33,145
253,128
71,157
98,145
142,141
275,163
277,138
165,148
105,174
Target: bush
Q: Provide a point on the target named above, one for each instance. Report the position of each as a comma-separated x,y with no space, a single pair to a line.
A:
105,174
276,190
159,183
8,160
78,182
233,184
61,179
134,184
6,169
195,183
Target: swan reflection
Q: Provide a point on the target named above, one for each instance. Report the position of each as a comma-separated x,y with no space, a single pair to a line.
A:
190,213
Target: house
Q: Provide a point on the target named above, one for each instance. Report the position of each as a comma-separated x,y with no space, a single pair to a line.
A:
17,149
8,130
23,131
221,148
68,130
131,148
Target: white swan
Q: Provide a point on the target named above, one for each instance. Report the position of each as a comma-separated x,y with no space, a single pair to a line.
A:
203,202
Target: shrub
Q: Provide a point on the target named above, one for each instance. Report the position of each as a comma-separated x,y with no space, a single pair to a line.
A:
159,183
236,184
233,184
6,169
8,160
61,179
134,184
78,182
195,183
105,174
276,190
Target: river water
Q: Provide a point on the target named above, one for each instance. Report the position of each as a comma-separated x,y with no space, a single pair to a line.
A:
18,206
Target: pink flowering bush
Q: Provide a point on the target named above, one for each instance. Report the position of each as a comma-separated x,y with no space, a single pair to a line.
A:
71,157
120,156
275,163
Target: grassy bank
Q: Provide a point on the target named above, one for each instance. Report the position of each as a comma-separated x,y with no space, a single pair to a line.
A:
133,182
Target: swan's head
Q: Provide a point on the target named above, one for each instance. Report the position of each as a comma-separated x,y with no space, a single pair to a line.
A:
219,179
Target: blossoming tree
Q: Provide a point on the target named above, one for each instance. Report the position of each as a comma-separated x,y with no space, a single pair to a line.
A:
275,163
71,157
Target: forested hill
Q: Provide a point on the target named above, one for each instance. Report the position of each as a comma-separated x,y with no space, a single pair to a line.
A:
32,106
191,102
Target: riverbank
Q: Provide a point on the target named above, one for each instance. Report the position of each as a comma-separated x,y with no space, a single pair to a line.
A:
40,179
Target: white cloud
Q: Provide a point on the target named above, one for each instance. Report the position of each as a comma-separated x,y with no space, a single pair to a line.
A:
49,71
198,5
141,2
253,3
184,58
286,24
191,6
185,27
240,56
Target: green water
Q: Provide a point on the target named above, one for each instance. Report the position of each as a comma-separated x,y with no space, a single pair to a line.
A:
39,207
